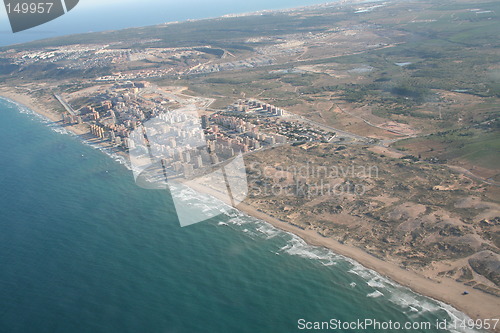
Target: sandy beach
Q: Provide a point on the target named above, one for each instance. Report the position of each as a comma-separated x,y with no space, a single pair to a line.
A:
56,117
477,304
82,130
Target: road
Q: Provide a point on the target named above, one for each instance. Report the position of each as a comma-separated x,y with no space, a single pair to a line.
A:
65,104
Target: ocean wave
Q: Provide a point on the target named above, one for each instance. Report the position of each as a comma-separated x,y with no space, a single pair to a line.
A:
22,108
376,283
60,130
268,230
373,278
375,294
297,246
411,303
239,220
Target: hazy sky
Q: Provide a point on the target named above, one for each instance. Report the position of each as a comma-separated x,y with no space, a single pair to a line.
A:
99,15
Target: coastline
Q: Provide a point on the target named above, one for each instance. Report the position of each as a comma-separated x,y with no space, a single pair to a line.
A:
39,108
477,305
80,130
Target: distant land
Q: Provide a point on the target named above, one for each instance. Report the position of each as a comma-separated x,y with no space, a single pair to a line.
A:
94,16
393,108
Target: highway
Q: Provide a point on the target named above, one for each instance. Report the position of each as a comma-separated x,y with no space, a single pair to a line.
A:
65,104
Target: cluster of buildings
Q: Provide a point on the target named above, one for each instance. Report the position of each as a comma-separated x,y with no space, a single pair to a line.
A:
132,116
188,145
177,140
246,134
276,122
82,57
114,114
125,58
251,62
249,106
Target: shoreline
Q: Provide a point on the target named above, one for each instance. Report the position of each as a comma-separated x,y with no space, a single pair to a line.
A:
80,130
476,305
42,110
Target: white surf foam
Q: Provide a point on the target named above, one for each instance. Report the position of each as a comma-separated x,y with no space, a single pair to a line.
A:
375,294
268,230
297,246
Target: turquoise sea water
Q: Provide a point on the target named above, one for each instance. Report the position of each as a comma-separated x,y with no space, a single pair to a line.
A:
94,15
83,249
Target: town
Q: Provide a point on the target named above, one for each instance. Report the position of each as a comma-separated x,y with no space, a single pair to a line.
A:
177,130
